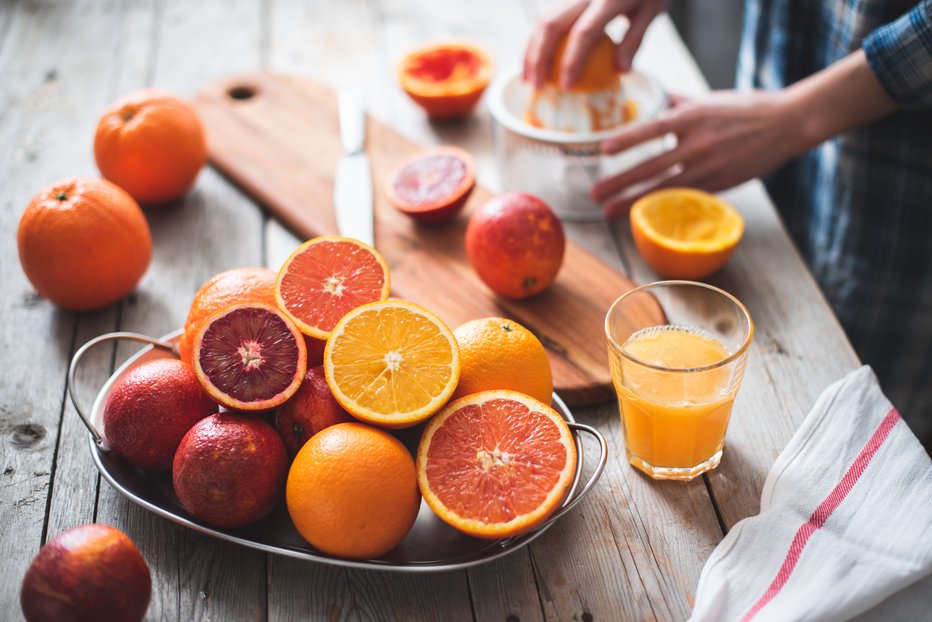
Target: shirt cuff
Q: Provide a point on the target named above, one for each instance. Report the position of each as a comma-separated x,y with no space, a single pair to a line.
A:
900,55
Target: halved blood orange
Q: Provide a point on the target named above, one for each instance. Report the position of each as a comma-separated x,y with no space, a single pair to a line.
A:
392,364
326,277
495,464
445,79
433,185
249,357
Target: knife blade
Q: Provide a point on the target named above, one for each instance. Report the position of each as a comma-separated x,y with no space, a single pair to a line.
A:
352,182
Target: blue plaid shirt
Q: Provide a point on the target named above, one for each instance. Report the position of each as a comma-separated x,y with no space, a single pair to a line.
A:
859,206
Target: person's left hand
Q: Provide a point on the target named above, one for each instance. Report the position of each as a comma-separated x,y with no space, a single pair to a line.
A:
723,139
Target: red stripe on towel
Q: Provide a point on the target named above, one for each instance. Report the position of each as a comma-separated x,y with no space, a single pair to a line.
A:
825,509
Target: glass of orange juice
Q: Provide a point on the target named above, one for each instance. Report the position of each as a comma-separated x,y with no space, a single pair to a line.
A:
677,352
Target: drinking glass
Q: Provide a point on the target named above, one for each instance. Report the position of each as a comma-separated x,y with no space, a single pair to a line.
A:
677,352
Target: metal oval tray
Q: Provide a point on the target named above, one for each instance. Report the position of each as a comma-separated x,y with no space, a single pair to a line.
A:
430,546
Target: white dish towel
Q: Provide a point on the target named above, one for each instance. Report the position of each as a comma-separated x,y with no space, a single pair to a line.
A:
845,523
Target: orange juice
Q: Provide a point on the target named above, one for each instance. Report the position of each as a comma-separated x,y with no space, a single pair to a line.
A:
677,418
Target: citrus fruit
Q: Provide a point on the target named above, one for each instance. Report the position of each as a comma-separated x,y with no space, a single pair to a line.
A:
352,491
90,572
515,244
236,286
392,364
433,185
83,243
685,234
311,409
326,277
598,74
495,464
151,144
230,469
150,409
496,353
446,79
249,357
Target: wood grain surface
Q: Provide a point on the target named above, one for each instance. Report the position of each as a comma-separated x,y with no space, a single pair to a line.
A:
633,550
277,137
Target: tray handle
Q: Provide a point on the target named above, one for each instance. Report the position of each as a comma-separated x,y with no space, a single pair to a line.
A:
76,359
596,474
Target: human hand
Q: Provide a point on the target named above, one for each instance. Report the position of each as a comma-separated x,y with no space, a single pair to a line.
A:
585,22
723,139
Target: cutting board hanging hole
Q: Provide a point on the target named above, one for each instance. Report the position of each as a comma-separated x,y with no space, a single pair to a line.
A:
241,92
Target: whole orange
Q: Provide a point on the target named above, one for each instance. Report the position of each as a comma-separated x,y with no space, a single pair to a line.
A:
515,244
83,243
151,144
352,491
496,353
239,285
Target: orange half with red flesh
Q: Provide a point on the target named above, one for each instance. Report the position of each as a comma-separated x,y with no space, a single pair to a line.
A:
446,79
433,185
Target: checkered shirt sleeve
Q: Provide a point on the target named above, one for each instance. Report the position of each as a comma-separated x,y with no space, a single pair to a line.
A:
900,55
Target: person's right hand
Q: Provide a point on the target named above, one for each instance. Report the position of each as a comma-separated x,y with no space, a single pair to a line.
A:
585,22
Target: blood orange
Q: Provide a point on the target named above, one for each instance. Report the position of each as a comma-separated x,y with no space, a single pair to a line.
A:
327,277
515,243
249,357
495,464
446,79
433,185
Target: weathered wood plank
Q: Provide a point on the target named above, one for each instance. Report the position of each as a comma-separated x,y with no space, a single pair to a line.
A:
796,335
195,577
46,100
340,44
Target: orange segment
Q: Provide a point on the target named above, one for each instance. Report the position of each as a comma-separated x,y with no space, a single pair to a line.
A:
495,464
392,364
684,233
326,277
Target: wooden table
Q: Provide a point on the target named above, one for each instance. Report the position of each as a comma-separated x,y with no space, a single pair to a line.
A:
632,550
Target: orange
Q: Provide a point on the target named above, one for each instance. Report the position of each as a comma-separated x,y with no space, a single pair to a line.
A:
599,74
515,243
495,464
445,79
236,286
496,353
83,243
392,364
151,144
327,276
249,357
352,491
684,233
433,185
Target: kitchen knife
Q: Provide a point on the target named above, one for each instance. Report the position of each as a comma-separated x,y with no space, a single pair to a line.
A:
352,183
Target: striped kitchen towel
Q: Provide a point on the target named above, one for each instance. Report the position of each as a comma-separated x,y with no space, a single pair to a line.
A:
845,523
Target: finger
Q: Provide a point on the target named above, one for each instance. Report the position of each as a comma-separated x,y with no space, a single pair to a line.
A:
675,99
642,132
541,49
637,26
583,36
642,172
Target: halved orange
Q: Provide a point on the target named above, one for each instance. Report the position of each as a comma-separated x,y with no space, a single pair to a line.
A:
392,364
326,277
684,233
445,79
495,464
433,185
249,357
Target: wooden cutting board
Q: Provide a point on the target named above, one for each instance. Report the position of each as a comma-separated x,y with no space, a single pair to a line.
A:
277,138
